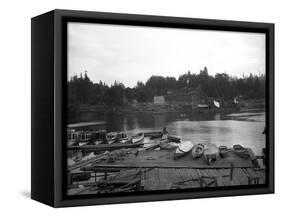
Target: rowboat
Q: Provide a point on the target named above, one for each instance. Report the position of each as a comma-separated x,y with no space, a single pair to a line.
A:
211,152
166,145
173,138
217,104
138,138
223,150
241,151
198,150
123,137
183,149
203,106
111,137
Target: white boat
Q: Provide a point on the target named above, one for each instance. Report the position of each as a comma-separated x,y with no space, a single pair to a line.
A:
138,138
217,104
211,153
111,137
203,106
183,149
123,137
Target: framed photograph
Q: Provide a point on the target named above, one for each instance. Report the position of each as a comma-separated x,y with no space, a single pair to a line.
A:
135,108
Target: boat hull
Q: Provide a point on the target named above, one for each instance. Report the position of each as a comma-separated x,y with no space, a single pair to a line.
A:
183,149
138,139
197,151
211,153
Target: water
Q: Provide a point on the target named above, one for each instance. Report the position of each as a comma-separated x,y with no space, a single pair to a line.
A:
221,129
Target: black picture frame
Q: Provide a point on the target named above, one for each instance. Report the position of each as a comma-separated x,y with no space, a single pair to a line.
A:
49,76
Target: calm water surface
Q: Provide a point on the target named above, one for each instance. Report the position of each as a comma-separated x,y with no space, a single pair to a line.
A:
221,129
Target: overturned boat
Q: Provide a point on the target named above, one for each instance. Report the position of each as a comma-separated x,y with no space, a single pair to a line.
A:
211,153
183,149
198,150
240,151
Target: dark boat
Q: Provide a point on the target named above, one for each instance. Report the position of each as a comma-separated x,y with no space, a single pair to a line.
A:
111,137
223,150
210,153
173,138
240,151
198,150
123,137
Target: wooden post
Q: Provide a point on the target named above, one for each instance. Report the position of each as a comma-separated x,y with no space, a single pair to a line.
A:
201,182
69,179
231,171
249,180
138,185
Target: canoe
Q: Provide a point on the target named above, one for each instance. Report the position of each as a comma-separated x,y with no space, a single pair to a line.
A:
210,153
123,137
153,134
223,150
217,104
240,151
198,150
138,138
111,137
205,106
183,149
166,145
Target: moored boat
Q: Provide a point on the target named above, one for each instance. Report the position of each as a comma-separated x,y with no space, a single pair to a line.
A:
138,138
72,137
241,151
223,150
173,138
84,137
123,137
99,137
210,153
198,150
183,149
111,137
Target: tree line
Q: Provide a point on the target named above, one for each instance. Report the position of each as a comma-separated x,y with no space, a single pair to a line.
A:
81,90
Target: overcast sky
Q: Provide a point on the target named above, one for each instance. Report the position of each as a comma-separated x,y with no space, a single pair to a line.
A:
129,53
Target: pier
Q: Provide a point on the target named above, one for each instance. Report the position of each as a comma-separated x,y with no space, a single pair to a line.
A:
148,169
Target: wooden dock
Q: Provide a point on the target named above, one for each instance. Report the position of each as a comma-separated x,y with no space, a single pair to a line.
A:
149,169
165,158
180,178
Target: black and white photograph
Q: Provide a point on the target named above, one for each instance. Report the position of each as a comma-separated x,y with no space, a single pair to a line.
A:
160,108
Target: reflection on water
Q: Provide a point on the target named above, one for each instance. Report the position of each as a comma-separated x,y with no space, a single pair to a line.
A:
240,128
